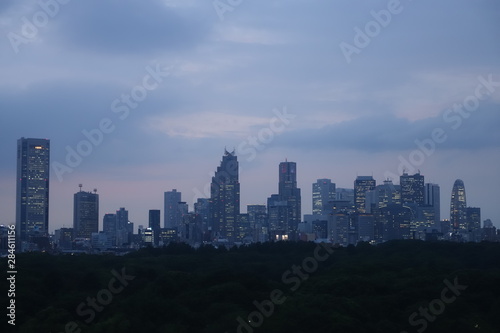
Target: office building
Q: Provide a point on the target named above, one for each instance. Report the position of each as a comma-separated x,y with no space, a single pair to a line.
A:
412,189
173,215
154,225
85,214
109,226
32,190
458,206
123,232
225,198
284,208
362,184
323,194
432,197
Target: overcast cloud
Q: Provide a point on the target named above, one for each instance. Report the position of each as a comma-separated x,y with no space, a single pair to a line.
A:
218,82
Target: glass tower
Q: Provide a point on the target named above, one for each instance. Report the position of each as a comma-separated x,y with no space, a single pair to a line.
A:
86,214
362,184
323,193
458,206
32,197
225,198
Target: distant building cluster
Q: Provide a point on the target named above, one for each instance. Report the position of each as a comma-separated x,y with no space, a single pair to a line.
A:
365,213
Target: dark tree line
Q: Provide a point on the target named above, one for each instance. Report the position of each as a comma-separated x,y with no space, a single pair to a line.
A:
180,289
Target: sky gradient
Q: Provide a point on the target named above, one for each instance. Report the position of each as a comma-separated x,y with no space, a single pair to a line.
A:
159,88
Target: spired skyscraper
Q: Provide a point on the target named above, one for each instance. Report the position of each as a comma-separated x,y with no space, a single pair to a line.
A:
225,198
458,206
32,190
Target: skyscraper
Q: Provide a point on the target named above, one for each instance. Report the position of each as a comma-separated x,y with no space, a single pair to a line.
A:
154,225
412,188
432,197
32,197
323,193
109,226
289,191
85,214
458,206
225,198
284,209
202,208
362,184
173,216
474,224
122,227
257,215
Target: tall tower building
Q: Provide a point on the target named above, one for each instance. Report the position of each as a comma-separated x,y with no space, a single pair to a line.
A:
202,208
458,206
284,208
289,192
225,198
154,225
473,218
362,184
85,214
32,196
173,215
109,226
432,198
154,219
412,188
323,193
122,227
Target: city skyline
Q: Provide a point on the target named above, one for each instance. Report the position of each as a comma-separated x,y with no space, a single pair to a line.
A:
225,186
143,100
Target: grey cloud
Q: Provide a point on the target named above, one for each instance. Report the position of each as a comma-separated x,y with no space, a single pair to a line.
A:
389,133
130,27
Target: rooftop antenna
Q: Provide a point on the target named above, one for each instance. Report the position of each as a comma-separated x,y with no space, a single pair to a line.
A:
80,186
95,191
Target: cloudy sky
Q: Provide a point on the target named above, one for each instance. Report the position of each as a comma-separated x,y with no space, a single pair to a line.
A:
343,88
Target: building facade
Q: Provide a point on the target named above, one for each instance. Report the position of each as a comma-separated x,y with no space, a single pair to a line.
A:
225,198
85,214
323,195
32,190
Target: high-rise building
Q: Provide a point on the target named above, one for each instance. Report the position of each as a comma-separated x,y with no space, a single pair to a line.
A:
396,221
122,227
173,216
154,219
109,226
32,197
154,225
284,208
225,198
289,191
458,206
412,188
257,215
202,208
85,214
362,184
432,197
473,218
323,194
382,196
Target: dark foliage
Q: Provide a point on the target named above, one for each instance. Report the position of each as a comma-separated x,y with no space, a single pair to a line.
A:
179,289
